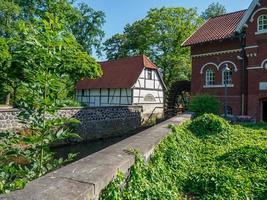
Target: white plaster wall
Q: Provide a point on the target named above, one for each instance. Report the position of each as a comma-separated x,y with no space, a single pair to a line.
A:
149,93
104,97
140,94
144,87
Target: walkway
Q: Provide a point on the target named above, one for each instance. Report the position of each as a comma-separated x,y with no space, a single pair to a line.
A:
84,179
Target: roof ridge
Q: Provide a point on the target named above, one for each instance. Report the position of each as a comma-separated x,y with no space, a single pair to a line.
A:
244,10
124,58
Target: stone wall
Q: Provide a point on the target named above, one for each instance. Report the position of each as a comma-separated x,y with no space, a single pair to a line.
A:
9,119
103,122
100,122
86,178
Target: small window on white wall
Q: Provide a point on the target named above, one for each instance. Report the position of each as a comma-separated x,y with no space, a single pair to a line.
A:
262,23
149,74
210,77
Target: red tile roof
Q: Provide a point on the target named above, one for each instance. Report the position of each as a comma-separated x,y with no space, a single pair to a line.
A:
121,73
216,28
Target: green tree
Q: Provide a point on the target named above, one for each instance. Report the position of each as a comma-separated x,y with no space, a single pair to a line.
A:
9,22
49,46
115,47
159,35
214,9
39,36
87,28
83,21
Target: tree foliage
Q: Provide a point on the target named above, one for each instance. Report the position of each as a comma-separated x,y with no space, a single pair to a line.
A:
214,9
159,36
41,35
88,28
204,104
26,155
84,22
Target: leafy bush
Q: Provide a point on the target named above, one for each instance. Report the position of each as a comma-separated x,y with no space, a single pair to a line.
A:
186,167
204,104
26,155
209,124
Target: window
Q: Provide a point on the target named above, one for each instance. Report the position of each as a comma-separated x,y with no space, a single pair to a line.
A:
149,97
264,64
229,110
149,74
262,23
227,77
210,77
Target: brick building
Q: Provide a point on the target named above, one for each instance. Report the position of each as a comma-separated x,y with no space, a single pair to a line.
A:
238,41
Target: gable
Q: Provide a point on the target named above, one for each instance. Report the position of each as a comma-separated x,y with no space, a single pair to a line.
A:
155,83
247,15
121,73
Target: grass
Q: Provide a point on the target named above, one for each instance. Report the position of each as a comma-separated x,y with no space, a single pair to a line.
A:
228,163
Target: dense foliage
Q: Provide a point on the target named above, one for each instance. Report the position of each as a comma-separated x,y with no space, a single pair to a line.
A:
214,9
208,124
40,62
159,36
222,165
25,155
202,104
46,35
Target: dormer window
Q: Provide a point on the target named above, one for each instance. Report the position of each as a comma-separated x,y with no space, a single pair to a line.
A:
262,23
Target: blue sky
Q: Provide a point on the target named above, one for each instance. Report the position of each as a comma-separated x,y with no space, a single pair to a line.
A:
120,12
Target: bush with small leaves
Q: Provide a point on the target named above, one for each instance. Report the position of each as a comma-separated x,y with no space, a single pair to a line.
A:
209,124
202,104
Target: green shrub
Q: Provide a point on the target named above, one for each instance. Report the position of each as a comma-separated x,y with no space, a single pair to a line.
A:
209,124
184,166
247,157
204,104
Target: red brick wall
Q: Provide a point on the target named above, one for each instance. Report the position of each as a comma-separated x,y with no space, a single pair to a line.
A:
198,79
255,76
255,58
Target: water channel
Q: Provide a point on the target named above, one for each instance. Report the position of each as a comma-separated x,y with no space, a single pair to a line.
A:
87,148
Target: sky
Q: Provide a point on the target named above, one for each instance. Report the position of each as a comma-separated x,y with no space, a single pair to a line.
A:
120,12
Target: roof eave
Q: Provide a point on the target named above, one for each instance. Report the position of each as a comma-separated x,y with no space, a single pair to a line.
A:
209,41
184,43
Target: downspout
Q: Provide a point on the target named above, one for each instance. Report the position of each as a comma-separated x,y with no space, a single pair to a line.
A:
242,38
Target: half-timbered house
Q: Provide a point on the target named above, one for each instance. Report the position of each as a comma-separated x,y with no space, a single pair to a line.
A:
127,81
235,41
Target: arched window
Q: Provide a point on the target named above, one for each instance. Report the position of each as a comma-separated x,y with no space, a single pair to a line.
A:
262,23
227,77
210,77
264,64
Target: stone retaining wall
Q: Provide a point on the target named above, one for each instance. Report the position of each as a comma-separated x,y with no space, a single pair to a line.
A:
100,122
9,119
86,178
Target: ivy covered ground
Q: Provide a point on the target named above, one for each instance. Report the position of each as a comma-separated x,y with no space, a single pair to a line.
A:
204,159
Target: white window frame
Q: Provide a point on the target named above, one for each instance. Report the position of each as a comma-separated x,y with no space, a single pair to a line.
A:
261,23
229,81
210,77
